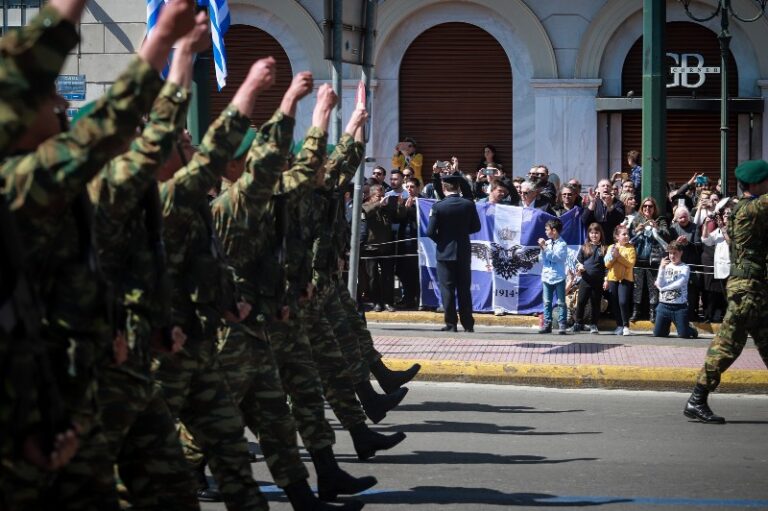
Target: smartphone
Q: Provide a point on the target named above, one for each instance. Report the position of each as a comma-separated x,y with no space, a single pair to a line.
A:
441,164
489,172
702,180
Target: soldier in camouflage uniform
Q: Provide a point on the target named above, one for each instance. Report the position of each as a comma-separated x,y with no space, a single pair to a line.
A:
30,59
45,186
338,383
203,294
245,220
747,293
140,429
349,326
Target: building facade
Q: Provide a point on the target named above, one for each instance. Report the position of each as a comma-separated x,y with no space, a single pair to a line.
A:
556,82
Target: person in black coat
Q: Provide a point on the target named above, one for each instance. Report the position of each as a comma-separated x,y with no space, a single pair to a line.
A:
451,221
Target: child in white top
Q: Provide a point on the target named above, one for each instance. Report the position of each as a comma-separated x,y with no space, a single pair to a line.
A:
672,283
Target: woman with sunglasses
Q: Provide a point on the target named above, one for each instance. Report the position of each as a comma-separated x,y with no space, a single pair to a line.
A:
650,233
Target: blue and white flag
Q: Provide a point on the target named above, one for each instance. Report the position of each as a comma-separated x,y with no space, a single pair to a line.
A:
218,12
506,272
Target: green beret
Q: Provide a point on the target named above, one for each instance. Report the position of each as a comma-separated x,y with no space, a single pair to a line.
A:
248,139
83,111
752,171
299,144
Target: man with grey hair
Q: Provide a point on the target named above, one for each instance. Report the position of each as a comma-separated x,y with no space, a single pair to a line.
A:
530,193
601,206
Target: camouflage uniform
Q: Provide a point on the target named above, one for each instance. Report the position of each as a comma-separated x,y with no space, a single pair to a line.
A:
338,379
747,293
139,427
245,221
203,289
46,190
30,60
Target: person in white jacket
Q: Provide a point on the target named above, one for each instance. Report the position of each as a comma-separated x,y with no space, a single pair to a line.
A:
672,283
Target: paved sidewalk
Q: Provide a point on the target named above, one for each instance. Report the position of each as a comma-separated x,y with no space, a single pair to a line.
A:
561,361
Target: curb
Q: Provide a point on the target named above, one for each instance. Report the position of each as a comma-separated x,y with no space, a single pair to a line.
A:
510,320
580,376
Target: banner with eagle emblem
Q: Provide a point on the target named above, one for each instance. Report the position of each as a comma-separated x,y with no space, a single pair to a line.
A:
506,272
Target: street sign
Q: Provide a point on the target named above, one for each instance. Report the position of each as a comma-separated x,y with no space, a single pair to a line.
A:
71,87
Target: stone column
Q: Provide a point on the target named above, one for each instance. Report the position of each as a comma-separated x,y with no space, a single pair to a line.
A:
566,128
763,84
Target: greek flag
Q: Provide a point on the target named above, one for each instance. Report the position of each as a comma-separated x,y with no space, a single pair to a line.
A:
218,11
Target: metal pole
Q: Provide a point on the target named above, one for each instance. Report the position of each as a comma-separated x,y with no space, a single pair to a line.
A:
725,42
654,153
199,116
357,200
338,29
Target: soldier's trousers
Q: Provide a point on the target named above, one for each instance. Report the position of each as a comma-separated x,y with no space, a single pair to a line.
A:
356,323
301,381
143,442
196,391
249,364
335,372
87,482
745,314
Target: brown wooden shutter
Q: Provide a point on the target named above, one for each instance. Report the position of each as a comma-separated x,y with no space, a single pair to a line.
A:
245,45
693,144
693,138
456,96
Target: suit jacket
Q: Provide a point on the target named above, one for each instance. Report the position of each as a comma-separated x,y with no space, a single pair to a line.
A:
451,221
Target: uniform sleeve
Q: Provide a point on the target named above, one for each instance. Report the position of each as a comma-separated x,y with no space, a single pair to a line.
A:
300,177
31,59
343,162
124,180
190,185
50,178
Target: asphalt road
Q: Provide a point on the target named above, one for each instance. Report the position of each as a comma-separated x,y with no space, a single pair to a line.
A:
473,446
500,333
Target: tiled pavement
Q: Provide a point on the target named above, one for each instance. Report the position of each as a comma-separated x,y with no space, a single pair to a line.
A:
554,353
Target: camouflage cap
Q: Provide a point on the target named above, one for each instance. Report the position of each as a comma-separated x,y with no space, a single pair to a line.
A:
83,111
752,171
245,145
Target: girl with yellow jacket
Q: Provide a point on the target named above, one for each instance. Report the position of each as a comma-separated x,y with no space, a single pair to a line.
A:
620,262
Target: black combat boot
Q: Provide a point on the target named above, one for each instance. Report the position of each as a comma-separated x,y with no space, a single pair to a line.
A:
205,491
302,499
253,452
391,380
332,481
367,442
635,312
697,407
376,405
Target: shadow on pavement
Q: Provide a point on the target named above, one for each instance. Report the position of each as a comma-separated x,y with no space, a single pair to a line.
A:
461,458
450,406
583,347
475,427
453,495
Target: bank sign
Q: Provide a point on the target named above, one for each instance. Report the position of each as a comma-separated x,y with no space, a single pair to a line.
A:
689,70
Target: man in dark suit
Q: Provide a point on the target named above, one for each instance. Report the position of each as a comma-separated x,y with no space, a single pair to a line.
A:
451,221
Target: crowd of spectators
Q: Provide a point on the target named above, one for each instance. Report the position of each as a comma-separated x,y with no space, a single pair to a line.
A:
613,210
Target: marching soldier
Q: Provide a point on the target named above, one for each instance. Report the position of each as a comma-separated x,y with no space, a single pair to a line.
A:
258,367
45,184
139,427
747,293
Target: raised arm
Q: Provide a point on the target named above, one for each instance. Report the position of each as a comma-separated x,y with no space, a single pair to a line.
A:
300,177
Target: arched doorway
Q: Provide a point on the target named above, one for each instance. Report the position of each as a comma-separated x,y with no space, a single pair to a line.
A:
456,95
693,136
245,45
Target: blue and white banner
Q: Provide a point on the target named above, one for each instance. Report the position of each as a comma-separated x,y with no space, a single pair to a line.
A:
506,272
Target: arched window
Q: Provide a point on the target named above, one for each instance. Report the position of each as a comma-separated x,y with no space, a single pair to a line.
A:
456,95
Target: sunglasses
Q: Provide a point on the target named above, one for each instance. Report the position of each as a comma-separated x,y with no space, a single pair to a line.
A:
648,206
566,194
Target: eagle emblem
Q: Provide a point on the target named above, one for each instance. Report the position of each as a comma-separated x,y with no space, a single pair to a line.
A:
506,262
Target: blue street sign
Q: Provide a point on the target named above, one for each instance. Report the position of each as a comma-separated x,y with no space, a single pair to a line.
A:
71,87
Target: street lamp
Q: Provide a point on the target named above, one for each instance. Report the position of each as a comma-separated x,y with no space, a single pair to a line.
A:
725,10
